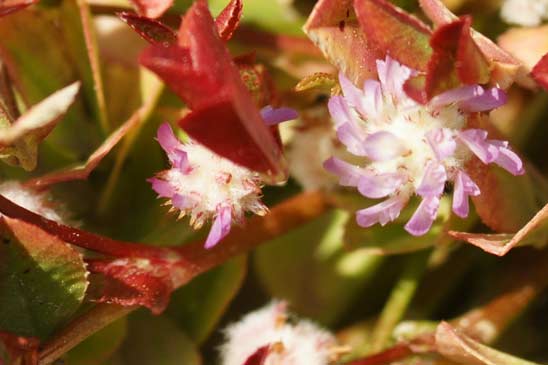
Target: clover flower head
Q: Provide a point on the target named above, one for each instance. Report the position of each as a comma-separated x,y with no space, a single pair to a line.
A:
410,148
299,343
35,201
206,186
527,13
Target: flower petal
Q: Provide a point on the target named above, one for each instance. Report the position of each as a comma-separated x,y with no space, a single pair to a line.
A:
433,181
382,213
372,98
508,159
173,147
273,116
383,146
220,228
393,76
475,140
348,174
350,135
376,186
464,187
442,142
353,95
486,100
182,202
456,95
162,187
424,216
339,110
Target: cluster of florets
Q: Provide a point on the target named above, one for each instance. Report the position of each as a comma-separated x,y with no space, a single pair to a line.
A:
408,148
282,342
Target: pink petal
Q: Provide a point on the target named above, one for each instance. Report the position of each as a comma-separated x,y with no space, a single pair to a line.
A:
382,213
433,181
351,136
220,228
508,159
348,174
475,140
393,76
273,116
442,142
173,148
464,187
383,146
182,202
352,94
372,98
162,187
376,186
424,216
339,110
456,95
486,100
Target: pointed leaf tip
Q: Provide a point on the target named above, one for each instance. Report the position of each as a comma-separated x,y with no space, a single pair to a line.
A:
229,19
150,30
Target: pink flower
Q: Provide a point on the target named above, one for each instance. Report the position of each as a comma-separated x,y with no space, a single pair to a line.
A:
410,148
206,186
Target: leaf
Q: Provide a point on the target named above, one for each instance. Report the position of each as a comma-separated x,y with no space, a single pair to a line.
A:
392,31
456,59
317,80
199,305
98,348
540,72
147,282
334,29
312,269
200,70
156,340
534,232
505,68
10,6
464,350
82,171
42,117
152,8
229,18
150,30
42,280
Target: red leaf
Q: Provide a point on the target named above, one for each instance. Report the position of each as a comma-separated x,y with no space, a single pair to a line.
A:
10,6
227,21
259,357
152,8
18,346
150,30
540,72
456,59
209,56
333,27
392,31
505,68
415,88
135,281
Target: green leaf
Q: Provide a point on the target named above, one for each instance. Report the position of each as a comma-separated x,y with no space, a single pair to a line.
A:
42,280
97,349
157,341
198,306
311,269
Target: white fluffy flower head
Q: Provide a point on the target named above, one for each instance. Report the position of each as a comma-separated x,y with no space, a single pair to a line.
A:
301,343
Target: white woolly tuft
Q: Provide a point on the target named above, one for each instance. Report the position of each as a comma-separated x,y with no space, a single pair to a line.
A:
302,343
527,13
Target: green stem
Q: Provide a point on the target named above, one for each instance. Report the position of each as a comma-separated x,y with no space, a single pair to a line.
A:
399,300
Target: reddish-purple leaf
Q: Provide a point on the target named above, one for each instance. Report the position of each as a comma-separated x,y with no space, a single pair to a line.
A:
150,30
227,21
259,357
135,281
392,31
81,172
209,56
540,72
152,8
456,59
505,68
333,27
10,6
